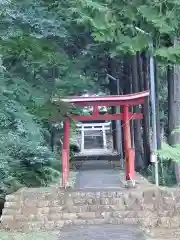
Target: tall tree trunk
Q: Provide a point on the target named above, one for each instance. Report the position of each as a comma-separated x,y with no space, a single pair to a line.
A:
145,110
158,126
113,91
139,164
174,109
171,108
119,132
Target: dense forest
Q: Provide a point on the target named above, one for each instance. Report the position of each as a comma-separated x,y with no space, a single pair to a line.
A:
54,48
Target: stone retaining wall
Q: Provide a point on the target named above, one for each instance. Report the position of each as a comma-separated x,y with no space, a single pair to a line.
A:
51,209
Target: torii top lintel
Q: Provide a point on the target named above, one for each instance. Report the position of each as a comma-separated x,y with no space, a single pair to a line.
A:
110,100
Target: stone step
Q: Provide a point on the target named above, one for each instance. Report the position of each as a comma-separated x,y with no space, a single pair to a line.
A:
165,216
58,193
108,157
122,197
100,209
56,224
79,197
90,204
52,215
149,191
33,211
78,164
91,208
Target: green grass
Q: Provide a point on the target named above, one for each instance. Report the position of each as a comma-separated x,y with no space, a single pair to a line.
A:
72,179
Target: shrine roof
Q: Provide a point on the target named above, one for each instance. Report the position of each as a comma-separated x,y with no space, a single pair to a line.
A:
104,99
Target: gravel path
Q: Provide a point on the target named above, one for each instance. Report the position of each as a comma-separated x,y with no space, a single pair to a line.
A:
102,232
98,178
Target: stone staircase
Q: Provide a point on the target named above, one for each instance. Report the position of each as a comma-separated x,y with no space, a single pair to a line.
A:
155,211
95,161
93,164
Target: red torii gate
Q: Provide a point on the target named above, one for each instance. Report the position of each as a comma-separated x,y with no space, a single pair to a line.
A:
117,100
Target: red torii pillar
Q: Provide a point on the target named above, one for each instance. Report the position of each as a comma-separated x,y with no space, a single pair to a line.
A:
129,151
65,153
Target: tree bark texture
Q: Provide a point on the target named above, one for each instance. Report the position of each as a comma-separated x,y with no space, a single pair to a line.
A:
174,109
113,91
158,126
145,110
139,164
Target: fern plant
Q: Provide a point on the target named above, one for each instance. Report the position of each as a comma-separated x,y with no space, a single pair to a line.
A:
170,152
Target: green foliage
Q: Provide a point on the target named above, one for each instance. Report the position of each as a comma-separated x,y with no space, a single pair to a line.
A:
113,22
168,55
57,48
168,155
25,159
170,152
166,171
35,65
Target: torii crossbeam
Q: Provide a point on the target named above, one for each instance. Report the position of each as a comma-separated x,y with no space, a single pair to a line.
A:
125,101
